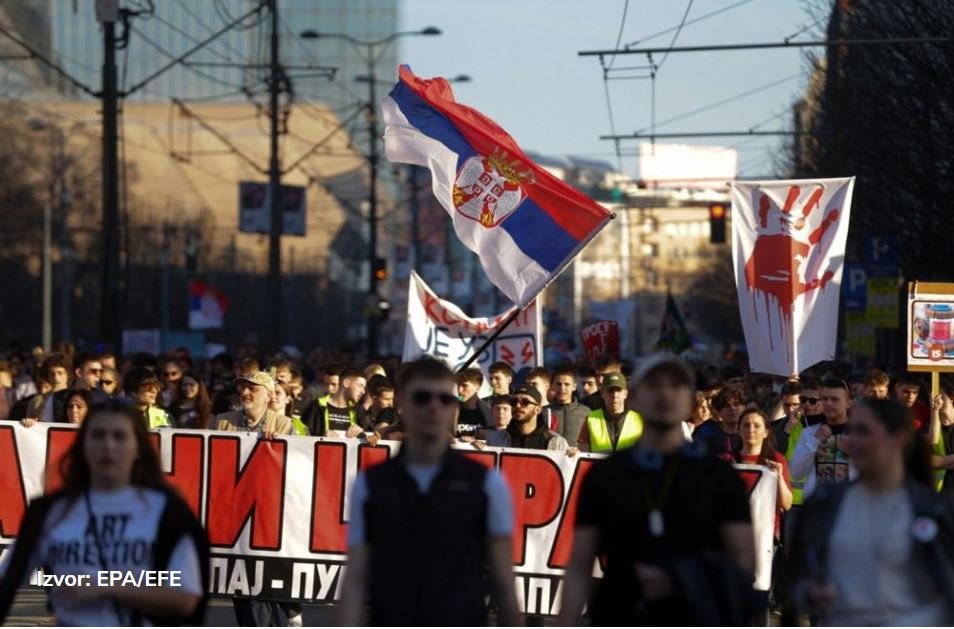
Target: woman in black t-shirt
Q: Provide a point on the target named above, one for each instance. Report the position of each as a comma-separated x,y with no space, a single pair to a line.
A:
115,513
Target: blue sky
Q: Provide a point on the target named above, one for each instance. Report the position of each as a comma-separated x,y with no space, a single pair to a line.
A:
522,56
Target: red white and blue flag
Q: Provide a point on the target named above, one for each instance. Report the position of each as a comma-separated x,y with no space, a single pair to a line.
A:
207,306
524,224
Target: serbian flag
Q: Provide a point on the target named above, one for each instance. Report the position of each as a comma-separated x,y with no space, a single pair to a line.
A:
207,306
524,224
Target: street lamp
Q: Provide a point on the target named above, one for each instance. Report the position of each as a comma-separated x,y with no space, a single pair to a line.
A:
371,51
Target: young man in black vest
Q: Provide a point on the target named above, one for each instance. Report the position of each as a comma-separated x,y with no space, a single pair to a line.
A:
426,523
671,524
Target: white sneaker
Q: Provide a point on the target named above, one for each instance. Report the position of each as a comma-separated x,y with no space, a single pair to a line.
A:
295,621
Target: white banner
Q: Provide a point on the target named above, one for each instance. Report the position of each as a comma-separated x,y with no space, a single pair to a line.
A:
277,511
438,328
788,252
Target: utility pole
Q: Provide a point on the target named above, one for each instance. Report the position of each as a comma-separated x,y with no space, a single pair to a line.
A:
374,320
47,277
110,315
275,189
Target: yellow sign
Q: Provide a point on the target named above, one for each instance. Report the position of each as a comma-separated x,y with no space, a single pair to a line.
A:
860,335
883,302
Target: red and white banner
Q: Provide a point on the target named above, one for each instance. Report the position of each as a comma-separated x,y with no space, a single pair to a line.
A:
277,511
600,339
789,251
438,328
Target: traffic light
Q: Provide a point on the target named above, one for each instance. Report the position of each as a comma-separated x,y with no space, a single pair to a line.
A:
380,269
717,214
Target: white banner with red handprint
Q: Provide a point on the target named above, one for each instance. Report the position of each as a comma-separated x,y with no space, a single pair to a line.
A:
788,240
439,328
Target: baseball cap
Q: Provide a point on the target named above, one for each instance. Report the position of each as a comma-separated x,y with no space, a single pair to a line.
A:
260,378
613,381
529,392
663,360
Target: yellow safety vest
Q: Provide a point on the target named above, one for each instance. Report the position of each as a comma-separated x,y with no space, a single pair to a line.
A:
798,484
938,450
630,431
158,418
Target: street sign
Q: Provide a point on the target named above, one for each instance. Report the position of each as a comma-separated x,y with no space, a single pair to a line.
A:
856,288
881,250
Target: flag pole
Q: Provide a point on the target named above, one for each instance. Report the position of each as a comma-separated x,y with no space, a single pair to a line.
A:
493,337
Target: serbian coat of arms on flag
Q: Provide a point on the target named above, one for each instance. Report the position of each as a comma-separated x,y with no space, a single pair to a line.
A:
524,224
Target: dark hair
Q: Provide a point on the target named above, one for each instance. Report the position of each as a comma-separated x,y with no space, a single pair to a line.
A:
279,363
539,372
379,384
909,378
586,372
811,383
564,370
897,418
472,375
54,360
732,372
426,368
768,445
203,403
136,377
351,373
501,367
837,383
726,396
877,378
334,369
146,471
84,395
792,387
83,358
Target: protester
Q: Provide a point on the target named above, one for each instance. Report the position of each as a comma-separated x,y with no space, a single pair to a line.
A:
191,407
227,399
588,385
473,419
76,407
604,365
49,407
733,379
109,382
876,384
380,410
425,523
142,386
820,454
300,399
721,437
171,374
526,430
112,475
787,421
501,378
907,390
942,437
756,447
672,525
280,402
616,428
280,370
35,401
569,416
337,416
501,407
256,391
7,392
878,551
701,413
763,395
331,380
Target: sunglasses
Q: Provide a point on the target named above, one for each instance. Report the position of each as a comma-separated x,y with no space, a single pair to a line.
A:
423,398
810,400
524,401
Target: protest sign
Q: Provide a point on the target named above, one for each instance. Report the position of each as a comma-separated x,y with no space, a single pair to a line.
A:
788,254
930,327
600,339
439,328
277,510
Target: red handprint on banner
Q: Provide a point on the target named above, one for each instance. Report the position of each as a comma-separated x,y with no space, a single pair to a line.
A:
777,266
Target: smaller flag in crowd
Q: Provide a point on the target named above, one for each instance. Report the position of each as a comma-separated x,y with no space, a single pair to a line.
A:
673,335
524,224
207,306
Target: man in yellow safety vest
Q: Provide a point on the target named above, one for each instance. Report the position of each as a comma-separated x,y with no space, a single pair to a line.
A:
614,428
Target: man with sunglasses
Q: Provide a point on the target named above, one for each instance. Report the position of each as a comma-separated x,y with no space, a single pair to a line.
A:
820,454
424,524
526,430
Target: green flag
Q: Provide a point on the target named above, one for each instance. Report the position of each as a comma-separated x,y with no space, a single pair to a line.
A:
673,334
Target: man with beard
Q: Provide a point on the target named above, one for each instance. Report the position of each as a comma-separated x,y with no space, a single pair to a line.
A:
525,429
671,525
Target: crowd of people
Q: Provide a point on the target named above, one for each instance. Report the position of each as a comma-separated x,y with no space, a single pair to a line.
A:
856,553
